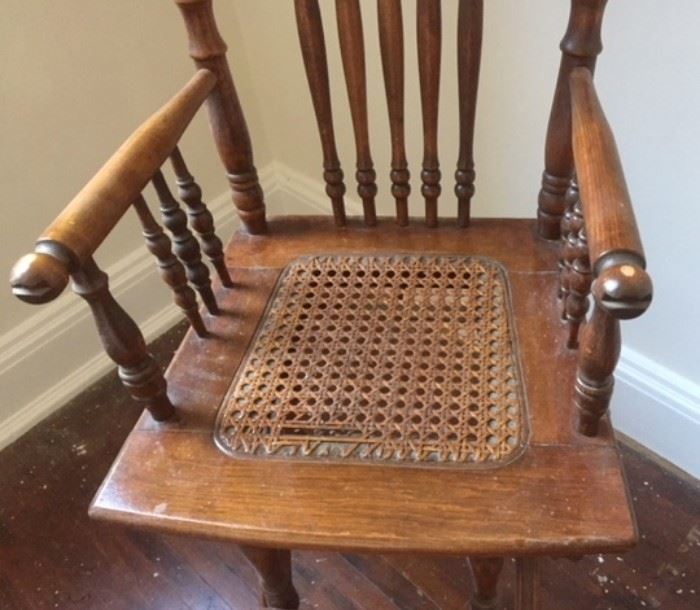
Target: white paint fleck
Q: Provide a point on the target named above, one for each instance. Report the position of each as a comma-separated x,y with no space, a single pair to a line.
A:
160,508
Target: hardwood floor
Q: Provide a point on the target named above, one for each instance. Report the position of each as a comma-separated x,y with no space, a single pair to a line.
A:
53,556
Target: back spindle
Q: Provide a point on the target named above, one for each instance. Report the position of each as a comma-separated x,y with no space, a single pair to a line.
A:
185,245
580,47
200,216
171,269
352,51
208,50
429,42
313,50
391,43
469,34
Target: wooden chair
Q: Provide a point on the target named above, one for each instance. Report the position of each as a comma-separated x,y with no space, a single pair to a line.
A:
372,384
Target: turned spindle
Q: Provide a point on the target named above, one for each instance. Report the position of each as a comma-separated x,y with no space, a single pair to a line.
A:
313,50
208,50
184,243
578,275
469,35
200,217
429,28
572,196
485,574
352,51
621,291
580,47
171,269
392,51
123,341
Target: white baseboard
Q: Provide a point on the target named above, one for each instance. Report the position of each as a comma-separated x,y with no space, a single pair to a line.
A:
659,409
652,404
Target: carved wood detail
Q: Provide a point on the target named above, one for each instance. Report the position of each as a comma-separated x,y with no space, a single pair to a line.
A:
200,217
208,50
600,351
352,51
171,269
580,46
577,274
123,341
184,243
620,292
392,50
313,49
469,35
572,197
429,30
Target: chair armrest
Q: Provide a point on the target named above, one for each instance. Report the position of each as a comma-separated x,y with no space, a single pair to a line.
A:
72,238
622,287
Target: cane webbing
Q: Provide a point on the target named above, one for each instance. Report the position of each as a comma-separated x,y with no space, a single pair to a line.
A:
399,358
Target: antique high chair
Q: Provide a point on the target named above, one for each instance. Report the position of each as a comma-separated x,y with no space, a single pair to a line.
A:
375,384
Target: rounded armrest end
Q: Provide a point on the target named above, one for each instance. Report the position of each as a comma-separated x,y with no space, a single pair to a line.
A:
624,290
38,278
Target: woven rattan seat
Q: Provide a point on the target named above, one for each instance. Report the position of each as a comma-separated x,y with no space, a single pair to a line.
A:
364,357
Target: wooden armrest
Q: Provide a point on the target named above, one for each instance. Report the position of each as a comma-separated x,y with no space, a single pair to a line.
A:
72,238
622,286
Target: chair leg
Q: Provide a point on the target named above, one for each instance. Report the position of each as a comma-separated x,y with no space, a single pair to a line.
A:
527,586
485,572
274,568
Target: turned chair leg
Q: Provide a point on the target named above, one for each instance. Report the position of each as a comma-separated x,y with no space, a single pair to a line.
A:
527,585
485,573
274,568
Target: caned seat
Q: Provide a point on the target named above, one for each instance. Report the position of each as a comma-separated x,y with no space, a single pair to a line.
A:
552,492
374,358
425,383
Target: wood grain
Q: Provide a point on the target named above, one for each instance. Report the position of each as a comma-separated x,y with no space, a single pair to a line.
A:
392,49
229,128
580,46
607,207
469,35
429,28
93,564
418,506
352,51
313,50
110,193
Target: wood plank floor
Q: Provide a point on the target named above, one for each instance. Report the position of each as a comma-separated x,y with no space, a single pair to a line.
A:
53,556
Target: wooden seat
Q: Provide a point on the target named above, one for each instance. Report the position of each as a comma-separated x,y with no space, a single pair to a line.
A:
564,492
374,384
